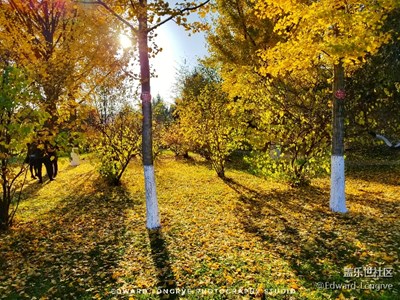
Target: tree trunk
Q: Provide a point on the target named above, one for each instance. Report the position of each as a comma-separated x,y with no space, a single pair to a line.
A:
152,214
3,215
338,198
4,206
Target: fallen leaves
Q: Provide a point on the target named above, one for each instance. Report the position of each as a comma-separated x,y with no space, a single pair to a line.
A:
76,238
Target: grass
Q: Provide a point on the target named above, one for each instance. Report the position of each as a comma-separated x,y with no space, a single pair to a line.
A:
246,237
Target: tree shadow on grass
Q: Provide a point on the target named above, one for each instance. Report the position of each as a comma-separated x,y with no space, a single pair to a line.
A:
195,160
32,186
165,276
72,251
235,161
384,172
296,224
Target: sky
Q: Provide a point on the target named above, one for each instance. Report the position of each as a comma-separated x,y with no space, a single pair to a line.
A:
178,49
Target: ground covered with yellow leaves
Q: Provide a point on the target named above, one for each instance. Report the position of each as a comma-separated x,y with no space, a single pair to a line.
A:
243,238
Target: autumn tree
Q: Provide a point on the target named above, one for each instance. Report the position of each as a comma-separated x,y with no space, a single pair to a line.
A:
17,121
235,37
207,118
340,36
289,135
162,120
142,17
174,137
374,92
114,126
58,42
285,115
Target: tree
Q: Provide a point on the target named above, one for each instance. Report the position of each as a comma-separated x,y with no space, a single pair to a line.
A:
236,37
58,43
338,35
374,91
17,121
162,114
162,120
114,128
175,140
207,118
285,114
289,132
142,18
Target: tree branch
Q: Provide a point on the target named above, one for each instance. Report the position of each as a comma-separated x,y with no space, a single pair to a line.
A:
111,11
179,13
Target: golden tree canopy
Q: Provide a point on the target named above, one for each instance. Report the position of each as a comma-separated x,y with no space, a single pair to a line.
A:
315,31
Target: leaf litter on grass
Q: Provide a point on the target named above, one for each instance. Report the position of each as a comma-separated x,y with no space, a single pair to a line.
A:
77,238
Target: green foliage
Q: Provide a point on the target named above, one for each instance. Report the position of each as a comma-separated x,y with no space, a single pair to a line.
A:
18,119
162,114
109,167
295,118
297,172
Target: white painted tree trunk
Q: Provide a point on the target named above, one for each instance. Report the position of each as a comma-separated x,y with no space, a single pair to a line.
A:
152,216
338,198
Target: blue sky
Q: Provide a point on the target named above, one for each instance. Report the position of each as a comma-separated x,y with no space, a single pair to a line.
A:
178,48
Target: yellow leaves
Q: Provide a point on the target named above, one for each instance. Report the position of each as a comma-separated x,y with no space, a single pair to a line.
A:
341,297
203,13
116,275
215,237
321,32
360,245
294,285
389,258
280,281
260,290
229,279
215,266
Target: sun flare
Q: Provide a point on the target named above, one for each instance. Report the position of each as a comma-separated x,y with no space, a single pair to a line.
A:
125,41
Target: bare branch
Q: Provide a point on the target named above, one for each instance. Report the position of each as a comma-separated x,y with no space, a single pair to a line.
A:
111,11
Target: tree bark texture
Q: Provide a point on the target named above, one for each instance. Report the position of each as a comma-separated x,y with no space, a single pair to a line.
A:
337,197
152,214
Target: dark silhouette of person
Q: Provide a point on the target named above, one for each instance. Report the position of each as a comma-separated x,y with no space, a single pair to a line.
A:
37,155
30,159
51,152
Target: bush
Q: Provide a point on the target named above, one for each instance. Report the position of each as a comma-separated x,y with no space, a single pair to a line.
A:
294,169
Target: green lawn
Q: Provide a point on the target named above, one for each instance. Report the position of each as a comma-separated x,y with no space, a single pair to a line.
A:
247,237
